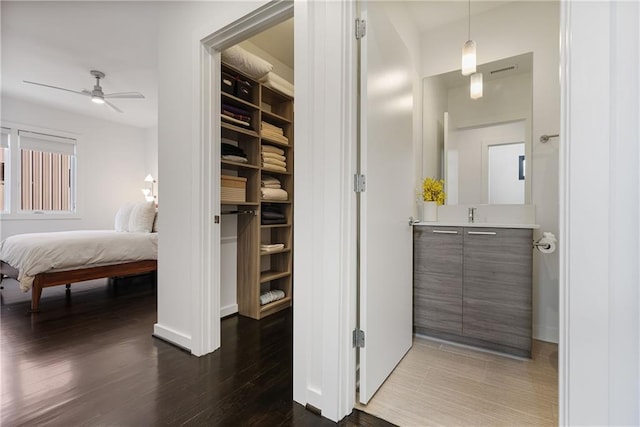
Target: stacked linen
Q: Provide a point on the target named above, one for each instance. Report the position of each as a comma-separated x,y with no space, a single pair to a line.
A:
273,133
273,158
235,115
271,189
275,82
232,152
272,214
271,296
271,247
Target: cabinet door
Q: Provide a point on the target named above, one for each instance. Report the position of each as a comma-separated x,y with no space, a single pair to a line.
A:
437,278
497,285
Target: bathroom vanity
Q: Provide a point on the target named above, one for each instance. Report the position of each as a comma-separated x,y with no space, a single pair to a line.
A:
472,284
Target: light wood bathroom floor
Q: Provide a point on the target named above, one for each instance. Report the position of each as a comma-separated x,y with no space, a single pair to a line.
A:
441,384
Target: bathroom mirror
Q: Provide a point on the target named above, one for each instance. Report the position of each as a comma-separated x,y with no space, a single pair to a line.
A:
483,146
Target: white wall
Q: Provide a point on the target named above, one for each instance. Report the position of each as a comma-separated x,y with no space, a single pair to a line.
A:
600,331
505,31
178,156
111,162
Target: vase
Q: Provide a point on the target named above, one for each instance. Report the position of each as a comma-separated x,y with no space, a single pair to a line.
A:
430,211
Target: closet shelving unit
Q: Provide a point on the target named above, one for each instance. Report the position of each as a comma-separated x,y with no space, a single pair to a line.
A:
256,271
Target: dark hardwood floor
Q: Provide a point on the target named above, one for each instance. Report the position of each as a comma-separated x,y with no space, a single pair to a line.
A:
88,359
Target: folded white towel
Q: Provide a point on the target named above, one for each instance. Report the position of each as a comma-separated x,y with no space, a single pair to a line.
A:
274,194
267,179
272,149
273,136
272,248
274,81
271,296
271,128
233,158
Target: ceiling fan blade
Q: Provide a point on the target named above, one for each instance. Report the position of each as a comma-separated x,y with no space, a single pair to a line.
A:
56,87
130,95
113,106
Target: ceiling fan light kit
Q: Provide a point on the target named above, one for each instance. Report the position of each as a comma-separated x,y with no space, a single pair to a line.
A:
97,95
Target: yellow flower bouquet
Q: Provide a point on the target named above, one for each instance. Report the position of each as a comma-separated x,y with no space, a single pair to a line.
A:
433,190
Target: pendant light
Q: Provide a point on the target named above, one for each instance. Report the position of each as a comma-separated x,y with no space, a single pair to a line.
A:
475,88
469,51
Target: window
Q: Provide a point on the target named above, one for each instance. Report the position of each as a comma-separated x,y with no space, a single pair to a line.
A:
38,173
4,170
46,172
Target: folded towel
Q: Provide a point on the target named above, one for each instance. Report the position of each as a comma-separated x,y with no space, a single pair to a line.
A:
228,141
272,136
271,186
274,168
272,215
274,156
271,296
274,162
271,128
266,221
234,121
272,149
274,194
267,179
272,247
234,158
232,149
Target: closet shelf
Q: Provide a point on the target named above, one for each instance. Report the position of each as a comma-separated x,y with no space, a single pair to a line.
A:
232,203
275,252
275,119
238,129
272,142
269,275
240,101
227,164
284,202
272,307
272,172
275,226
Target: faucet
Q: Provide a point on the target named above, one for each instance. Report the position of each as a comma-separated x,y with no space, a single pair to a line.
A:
472,215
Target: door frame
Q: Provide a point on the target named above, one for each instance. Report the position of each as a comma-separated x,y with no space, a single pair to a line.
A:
207,48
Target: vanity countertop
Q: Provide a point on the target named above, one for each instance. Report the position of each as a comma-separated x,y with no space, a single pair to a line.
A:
475,224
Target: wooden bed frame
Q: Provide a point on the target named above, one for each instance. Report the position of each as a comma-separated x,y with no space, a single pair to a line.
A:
45,280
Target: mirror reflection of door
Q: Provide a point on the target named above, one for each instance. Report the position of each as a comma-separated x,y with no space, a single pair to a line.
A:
506,173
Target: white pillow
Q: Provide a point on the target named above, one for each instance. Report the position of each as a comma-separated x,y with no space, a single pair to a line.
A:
155,224
142,215
245,61
122,216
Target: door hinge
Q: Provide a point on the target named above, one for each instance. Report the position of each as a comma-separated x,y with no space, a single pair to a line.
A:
359,183
216,219
358,338
361,28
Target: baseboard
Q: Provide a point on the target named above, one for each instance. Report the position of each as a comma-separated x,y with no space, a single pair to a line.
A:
546,333
171,336
228,310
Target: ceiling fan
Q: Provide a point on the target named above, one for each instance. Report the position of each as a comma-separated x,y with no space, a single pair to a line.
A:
97,95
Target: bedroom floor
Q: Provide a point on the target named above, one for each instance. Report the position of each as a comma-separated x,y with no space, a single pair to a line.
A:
90,359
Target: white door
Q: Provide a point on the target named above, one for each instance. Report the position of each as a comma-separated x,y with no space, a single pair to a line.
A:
386,254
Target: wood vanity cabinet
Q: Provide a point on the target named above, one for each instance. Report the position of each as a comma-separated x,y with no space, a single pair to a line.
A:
473,285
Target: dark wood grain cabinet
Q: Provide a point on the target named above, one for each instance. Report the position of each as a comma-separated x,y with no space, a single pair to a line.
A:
473,285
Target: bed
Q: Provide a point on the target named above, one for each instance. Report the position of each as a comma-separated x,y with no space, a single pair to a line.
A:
41,260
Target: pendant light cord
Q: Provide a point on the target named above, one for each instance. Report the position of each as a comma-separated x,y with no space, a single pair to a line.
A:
469,26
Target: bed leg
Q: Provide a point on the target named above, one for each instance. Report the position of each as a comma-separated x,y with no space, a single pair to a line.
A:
68,287
36,293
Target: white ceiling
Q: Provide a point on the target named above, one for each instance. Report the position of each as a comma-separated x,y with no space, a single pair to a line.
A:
58,43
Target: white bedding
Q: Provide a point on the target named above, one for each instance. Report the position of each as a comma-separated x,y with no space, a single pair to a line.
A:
37,253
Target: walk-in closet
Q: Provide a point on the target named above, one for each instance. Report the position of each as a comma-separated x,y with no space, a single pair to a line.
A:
256,183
